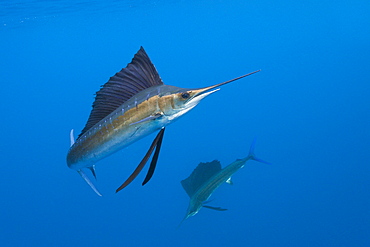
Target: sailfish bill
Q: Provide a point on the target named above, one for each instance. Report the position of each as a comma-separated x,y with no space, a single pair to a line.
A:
131,105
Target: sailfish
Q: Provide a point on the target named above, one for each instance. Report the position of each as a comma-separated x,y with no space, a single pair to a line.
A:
131,105
207,177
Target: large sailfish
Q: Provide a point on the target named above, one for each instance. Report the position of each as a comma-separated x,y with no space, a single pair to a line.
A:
131,105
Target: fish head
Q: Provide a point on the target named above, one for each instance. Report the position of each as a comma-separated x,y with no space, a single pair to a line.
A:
193,211
179,101
190,212
193,208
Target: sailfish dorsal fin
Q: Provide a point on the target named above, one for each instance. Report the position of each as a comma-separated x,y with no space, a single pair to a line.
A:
199,176
138,75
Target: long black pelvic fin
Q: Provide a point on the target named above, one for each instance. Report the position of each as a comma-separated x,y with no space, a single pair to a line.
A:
153,164
138,169
215,208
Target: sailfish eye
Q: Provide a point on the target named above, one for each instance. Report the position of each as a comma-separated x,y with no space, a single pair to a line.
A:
185,95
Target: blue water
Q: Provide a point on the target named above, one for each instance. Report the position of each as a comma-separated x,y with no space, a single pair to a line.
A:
309,108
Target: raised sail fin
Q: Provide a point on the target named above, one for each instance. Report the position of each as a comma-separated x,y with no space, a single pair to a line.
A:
199,176
139,75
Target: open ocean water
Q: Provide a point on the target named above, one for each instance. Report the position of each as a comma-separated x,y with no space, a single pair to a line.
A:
309,108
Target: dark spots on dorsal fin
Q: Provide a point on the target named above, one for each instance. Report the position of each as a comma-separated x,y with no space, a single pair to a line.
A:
138,75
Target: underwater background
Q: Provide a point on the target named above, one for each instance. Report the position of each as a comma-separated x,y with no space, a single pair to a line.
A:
309,109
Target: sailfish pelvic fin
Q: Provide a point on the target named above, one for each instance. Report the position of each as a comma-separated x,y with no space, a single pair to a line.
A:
153,164
215,208
88,181
156,142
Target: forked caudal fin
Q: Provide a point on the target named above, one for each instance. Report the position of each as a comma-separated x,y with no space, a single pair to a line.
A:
252,156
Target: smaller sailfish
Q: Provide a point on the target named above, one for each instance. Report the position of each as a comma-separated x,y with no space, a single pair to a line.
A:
207,177
131,105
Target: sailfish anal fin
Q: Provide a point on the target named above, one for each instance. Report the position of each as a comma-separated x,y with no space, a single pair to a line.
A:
138,75
92,169
88,181
157,139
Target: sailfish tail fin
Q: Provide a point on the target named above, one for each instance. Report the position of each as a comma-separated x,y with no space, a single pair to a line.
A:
88,181
252,156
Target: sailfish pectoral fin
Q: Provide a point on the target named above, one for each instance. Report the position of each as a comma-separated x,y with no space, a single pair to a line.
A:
154,117
153,164
215,208
229,181
143,161
88,181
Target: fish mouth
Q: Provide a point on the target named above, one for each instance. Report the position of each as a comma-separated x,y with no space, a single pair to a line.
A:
201,93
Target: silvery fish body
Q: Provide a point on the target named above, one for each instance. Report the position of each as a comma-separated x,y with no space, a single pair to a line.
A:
131,105
123,127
